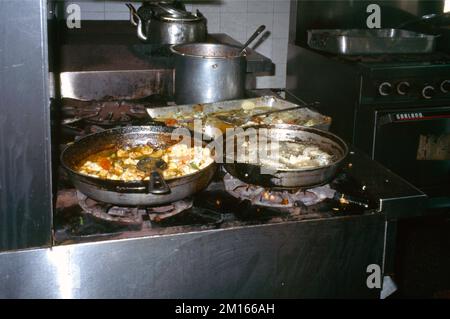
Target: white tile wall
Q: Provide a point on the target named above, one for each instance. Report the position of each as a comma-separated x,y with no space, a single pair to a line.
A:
237,18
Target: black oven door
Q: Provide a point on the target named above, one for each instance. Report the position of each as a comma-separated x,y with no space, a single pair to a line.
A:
415,143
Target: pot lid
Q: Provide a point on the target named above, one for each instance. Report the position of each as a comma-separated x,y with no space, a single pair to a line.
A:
146,11
171,13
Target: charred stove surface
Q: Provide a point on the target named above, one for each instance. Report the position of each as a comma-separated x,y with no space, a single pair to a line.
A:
80,219
80,118
107,113
226,203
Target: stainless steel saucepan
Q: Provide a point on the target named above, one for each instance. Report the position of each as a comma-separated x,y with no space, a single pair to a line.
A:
207,72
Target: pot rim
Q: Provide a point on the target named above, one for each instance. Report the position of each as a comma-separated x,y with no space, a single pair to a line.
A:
174,50
170,18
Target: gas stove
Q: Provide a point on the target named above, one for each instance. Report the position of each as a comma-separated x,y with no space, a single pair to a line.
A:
79,218
402,78
226,203
229,225
395,108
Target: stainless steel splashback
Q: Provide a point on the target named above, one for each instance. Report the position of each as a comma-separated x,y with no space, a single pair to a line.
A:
116,64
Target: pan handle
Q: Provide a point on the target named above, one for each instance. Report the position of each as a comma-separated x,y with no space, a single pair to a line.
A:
156,184
137,21
362,202
157,190
133,14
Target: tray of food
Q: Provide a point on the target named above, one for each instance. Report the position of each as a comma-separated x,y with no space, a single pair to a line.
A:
236,113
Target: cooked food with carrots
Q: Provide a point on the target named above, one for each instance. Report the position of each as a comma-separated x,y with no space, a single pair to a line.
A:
121,163
237,117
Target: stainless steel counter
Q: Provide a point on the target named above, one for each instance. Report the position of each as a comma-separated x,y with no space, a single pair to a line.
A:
302,259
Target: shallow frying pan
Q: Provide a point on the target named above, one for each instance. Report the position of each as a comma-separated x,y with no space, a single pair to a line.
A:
130,193
290,178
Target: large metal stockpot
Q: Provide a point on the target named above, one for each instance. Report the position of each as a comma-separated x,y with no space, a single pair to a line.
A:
207,72
164,24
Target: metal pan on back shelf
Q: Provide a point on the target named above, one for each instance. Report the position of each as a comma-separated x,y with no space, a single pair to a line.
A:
370,41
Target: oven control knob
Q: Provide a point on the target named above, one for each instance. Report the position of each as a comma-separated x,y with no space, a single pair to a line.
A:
403,88
428,92
445,86
385,88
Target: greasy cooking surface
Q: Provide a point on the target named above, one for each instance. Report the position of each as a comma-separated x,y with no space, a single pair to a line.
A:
120,163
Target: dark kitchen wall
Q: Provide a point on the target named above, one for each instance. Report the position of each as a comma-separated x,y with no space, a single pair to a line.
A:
25,150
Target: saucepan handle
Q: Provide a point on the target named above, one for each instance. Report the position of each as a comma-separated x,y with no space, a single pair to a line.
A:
156,184
133,14
136,20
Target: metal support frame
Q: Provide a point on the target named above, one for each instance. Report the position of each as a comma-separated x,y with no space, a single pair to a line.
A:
25,148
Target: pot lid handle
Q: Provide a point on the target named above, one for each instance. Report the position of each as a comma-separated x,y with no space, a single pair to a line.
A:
173,11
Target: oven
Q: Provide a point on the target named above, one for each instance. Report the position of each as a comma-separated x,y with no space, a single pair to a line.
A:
415,143
395,108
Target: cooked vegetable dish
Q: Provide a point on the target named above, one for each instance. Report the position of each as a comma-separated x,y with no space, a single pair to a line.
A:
286,155
121,163
236,117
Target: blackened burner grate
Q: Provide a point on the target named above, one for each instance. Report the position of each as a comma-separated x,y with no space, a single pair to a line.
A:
261,196
131,215
107,114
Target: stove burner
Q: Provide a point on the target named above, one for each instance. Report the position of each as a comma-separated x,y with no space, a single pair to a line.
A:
107,212
81,118
160,213
130,215
106,114
261,196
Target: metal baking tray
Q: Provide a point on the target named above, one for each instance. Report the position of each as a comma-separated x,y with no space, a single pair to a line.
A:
370,41
188,111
